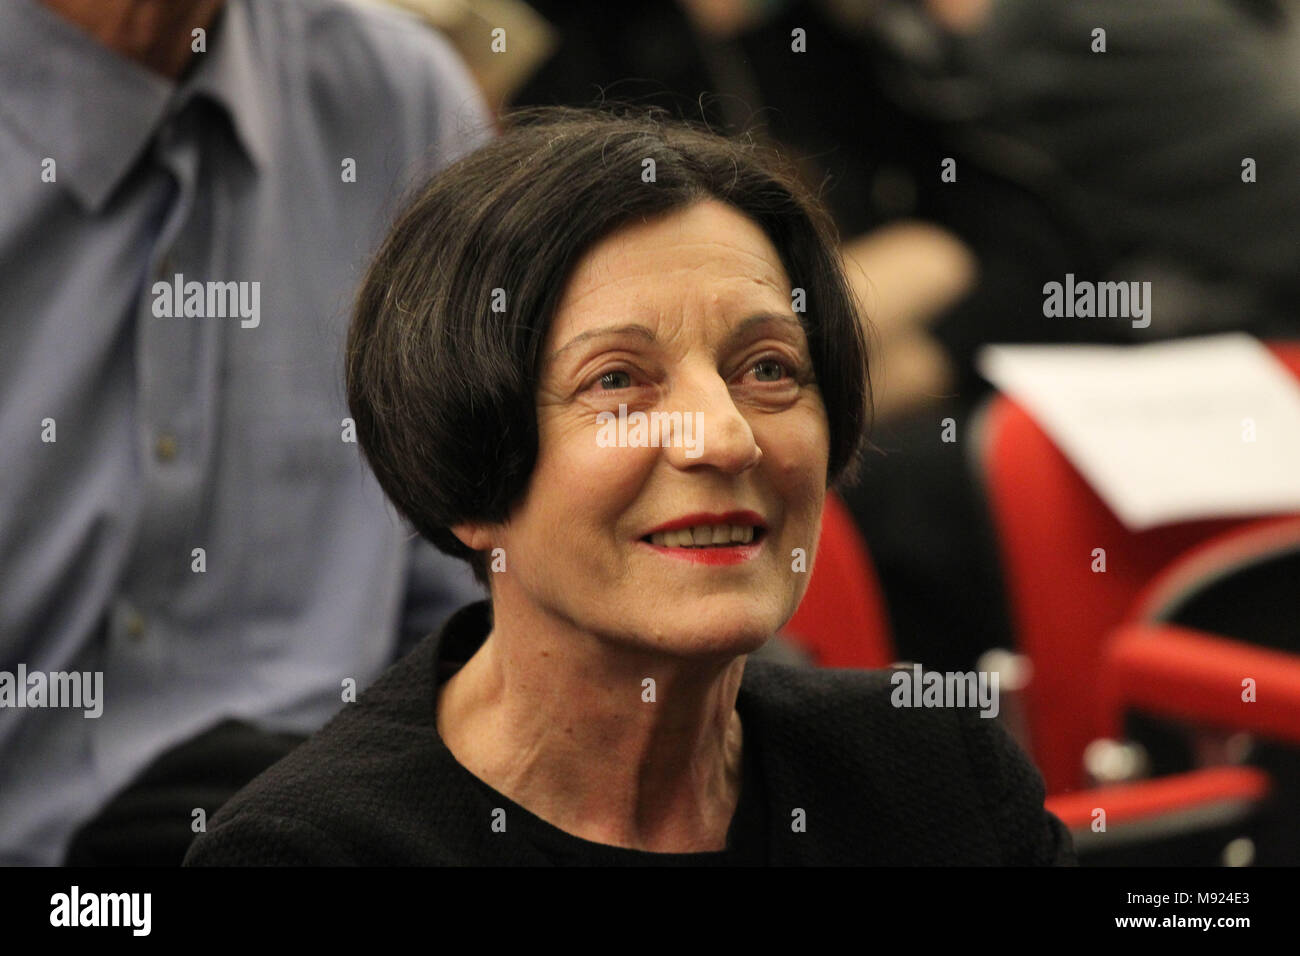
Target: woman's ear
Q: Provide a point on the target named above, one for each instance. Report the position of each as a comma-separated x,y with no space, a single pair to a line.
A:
475,536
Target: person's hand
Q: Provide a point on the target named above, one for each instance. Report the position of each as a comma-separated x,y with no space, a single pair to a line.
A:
904,275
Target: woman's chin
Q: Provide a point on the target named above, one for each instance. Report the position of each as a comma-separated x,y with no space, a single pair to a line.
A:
715,630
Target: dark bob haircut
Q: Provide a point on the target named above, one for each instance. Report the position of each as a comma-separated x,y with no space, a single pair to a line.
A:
443,388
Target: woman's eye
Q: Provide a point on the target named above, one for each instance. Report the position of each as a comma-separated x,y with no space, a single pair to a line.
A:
615,380
771,367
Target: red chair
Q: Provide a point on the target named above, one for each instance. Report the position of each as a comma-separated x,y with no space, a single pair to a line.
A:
1155,667
1139,814
1048,521
1095,657
842,621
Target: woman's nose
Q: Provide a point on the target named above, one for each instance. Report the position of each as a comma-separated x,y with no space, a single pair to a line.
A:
713,430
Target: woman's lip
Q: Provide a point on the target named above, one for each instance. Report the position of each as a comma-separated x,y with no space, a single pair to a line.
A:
741,518
732,554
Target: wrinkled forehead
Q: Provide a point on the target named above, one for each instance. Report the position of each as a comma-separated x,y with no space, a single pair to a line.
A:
706,262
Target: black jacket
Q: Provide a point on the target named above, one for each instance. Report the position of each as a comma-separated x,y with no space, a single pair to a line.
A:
876,784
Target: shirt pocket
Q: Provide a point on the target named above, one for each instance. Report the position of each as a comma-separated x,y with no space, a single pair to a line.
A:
303,492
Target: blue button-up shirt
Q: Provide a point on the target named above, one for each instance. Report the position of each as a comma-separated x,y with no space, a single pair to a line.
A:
131,436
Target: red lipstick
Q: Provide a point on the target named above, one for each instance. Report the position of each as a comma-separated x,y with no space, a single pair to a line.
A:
732,554
735,554
741,518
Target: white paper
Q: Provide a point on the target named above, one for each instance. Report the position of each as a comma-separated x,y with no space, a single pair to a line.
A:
1174,431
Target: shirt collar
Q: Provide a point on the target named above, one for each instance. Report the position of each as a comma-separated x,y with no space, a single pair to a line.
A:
94,112
230,73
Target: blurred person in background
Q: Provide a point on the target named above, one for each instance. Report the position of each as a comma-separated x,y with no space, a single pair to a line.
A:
191,188
1162,134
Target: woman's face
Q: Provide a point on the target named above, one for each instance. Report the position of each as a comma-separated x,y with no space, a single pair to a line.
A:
688,315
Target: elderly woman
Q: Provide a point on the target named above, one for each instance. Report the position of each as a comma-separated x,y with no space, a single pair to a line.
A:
614,364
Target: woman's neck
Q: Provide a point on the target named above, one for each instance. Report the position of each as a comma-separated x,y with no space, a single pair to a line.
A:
565,725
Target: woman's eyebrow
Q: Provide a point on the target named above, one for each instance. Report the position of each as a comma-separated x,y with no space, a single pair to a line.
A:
641,330
761,318
648,334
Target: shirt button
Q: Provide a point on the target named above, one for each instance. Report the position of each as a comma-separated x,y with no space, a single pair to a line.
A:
165,447
135,626
165,268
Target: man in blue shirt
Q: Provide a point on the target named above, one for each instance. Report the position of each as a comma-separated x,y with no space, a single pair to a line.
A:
190,192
